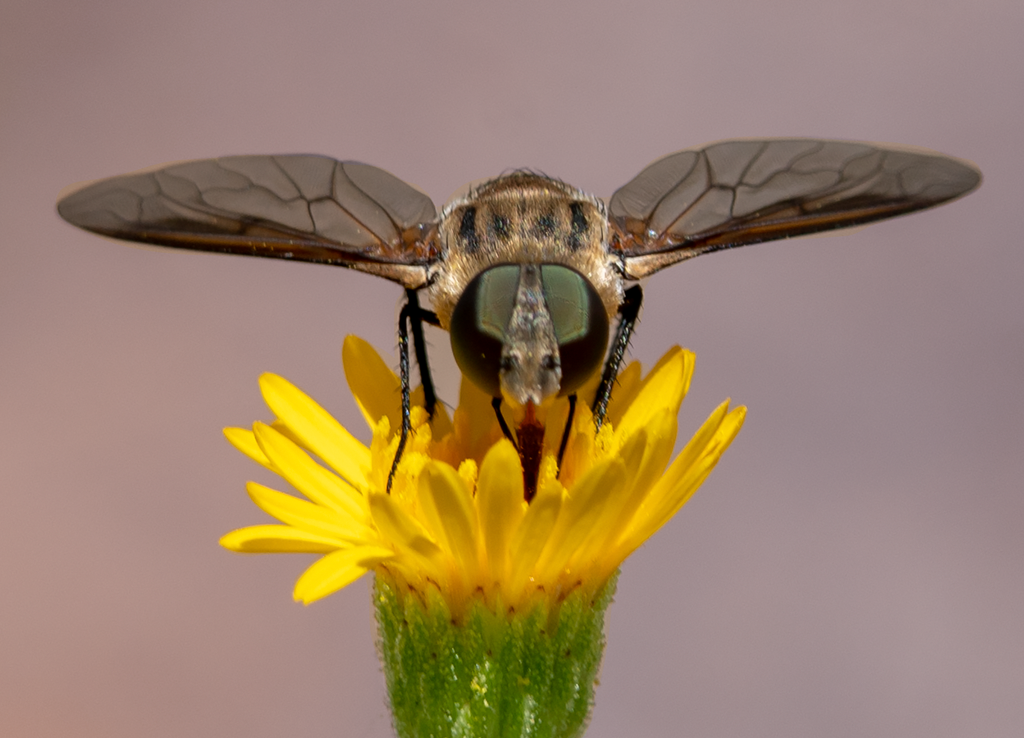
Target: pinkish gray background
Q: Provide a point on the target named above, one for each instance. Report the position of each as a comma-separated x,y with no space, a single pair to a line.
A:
854,568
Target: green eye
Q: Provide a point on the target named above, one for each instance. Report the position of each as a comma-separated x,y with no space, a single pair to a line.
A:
479,324
581,324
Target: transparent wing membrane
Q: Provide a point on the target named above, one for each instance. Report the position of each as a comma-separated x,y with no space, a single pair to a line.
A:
300,207
735,193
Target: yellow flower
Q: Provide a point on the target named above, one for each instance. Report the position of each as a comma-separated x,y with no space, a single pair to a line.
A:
456,520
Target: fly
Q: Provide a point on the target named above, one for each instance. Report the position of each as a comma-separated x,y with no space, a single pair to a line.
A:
527,273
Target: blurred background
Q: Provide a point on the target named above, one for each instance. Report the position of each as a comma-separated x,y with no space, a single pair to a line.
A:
853,568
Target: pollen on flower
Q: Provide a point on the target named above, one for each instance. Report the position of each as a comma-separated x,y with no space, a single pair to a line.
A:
456,521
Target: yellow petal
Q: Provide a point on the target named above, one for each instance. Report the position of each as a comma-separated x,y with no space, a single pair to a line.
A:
668,356
580,453
468,473
308,477
604,529
277,539
318,431
531,537
337,570
622,401
307,516
245,441
721,424
685,475
474,421
449,511
581,509
501,504
377,390
660,437
664,388
405,533
282,428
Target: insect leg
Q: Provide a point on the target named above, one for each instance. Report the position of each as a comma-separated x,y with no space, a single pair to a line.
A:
417,317
496,404
404,319
565,433
412,316
628,313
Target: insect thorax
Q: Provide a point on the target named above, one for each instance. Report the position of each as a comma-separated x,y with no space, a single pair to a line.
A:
523,217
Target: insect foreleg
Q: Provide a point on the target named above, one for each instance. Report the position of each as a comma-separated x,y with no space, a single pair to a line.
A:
565,432
417,317
496,404
629,310
404,318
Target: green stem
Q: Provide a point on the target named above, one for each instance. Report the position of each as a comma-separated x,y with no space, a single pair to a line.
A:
489,675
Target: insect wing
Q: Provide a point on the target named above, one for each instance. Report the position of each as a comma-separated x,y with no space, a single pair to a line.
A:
301,207
740,192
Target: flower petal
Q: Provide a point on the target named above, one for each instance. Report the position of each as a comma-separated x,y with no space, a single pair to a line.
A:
377,390
308,477
245,441
475,426
684,476
405,533
337,570
531,537
664,387
501,504
319,432
605,527
277,539
309,516
449,512
704,439
660,437
580,512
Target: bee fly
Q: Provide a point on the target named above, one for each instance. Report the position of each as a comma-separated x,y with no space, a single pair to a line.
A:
526,272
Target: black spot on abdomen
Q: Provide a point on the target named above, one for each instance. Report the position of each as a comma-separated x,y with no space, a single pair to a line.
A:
500,226
578,227
546,224
467,230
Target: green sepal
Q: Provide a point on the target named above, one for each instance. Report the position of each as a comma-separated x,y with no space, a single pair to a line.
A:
489,674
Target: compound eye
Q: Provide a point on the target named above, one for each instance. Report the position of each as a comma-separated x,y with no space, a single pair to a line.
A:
580,323
478,325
